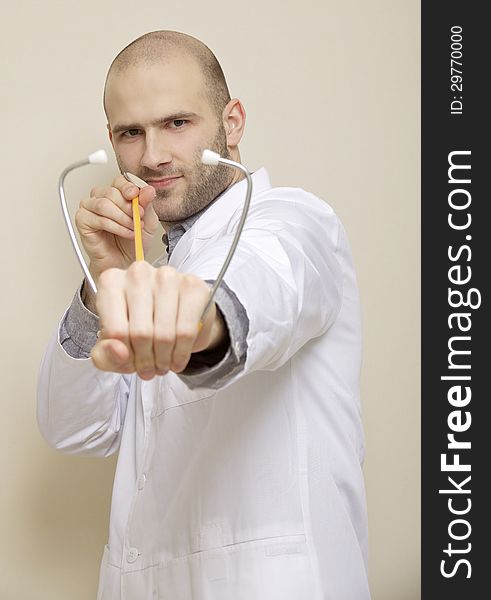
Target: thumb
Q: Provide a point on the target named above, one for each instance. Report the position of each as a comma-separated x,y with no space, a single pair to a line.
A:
111,355
146,195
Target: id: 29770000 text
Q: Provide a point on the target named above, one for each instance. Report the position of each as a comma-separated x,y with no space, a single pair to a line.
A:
456,79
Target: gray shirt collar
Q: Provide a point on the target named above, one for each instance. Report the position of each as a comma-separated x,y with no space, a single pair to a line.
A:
177,230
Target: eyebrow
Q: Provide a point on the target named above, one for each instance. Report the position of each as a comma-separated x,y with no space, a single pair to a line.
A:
155,123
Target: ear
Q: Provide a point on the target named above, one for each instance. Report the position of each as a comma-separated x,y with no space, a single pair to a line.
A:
110,134
234,118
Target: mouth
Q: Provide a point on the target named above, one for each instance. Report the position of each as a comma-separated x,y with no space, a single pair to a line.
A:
165,182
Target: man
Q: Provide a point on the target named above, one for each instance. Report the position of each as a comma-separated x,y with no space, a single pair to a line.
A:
240,443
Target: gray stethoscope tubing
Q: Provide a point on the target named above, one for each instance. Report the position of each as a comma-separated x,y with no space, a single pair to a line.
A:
212,158
209,158
97,157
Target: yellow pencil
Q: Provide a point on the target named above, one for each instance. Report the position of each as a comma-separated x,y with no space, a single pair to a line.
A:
138,229
136,214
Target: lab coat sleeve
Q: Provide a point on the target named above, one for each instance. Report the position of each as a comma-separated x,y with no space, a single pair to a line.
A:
287,273
80,410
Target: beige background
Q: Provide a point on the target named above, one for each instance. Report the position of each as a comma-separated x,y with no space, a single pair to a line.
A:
331,91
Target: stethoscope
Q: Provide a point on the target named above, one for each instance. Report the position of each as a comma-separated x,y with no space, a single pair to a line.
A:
208,158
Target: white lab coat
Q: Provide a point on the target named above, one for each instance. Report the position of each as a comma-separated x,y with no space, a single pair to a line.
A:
253,491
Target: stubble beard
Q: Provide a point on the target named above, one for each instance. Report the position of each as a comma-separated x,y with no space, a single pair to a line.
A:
204,184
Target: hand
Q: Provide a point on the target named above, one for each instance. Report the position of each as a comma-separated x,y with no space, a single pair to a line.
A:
105,223
149,320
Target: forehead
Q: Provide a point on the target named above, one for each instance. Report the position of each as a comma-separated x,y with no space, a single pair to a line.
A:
145,92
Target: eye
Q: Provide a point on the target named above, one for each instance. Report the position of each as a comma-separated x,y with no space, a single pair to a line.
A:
131,133
178,123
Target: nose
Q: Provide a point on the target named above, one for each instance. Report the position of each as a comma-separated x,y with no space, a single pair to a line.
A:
156,151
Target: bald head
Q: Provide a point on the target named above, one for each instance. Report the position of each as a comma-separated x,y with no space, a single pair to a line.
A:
161,47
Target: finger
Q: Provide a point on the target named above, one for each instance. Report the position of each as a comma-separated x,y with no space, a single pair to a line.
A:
127,189
192,300
106,207
112,309
115,195
166,297
139,298
110,191
147,194
89,222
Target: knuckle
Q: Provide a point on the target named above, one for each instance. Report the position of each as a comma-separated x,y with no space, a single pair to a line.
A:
109,194
140,270
110,277
166,274
113,333
100,204
188,280
141,334
165,338
79,215
118,181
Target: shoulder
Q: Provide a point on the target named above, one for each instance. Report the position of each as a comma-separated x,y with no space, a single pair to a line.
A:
299,197
293,209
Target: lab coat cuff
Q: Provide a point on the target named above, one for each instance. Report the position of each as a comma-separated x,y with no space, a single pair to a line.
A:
78,330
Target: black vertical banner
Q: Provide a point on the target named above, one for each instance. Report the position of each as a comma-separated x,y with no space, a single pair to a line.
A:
456,332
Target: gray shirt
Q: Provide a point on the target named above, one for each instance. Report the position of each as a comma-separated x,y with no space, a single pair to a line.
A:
78,330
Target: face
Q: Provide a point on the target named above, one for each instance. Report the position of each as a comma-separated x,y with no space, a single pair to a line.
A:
160,120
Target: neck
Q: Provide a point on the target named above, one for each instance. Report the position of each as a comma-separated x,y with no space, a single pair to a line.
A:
238,175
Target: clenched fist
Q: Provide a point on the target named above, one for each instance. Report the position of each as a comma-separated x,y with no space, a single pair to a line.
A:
149,320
